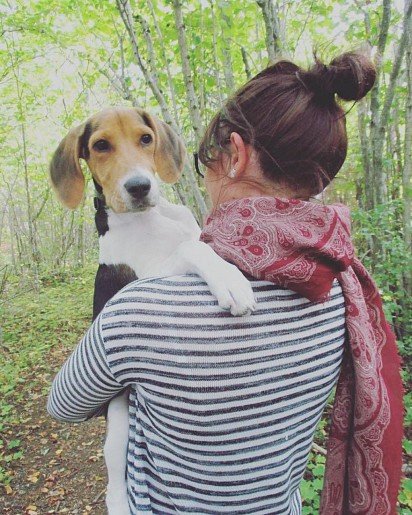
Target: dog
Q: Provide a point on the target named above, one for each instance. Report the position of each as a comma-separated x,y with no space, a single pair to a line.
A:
141,234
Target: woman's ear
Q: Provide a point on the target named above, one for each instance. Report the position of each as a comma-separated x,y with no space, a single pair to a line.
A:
239,154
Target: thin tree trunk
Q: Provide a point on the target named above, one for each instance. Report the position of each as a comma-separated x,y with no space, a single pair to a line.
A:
383,119
365,149
375,135
398,148
246,63
272,28
214,50
166,63
12,250
227,57
228,67
193,103
151,57
407,167
127,17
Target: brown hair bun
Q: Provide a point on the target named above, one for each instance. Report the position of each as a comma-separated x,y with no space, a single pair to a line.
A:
354,75
350,76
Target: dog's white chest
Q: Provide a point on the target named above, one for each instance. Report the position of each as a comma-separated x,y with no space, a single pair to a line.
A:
143,240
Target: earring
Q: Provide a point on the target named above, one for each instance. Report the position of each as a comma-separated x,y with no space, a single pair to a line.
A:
232,173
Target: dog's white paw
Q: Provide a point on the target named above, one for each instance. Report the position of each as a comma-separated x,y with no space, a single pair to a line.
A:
232,290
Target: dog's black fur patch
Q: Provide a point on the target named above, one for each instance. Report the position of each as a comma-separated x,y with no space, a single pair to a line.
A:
84,143
109,280
101,221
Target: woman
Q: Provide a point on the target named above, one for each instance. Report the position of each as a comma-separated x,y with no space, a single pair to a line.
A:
223,410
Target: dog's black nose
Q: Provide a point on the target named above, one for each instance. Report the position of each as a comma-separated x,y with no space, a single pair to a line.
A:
138,187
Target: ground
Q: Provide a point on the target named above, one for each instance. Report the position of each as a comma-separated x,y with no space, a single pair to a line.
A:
62,469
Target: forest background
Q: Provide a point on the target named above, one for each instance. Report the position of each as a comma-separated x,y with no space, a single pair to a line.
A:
61,61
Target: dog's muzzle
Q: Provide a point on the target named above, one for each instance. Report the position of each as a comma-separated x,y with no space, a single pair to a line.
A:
138,187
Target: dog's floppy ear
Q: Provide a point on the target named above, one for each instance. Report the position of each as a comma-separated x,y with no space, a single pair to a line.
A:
170,153
66,175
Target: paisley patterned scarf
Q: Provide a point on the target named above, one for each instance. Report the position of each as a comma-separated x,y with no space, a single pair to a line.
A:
304,246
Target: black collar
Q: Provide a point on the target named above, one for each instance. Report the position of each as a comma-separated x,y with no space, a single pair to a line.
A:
99,200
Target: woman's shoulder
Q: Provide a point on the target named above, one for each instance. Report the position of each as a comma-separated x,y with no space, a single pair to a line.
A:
190,289
161,289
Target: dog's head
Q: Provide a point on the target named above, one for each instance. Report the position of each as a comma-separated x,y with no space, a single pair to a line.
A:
124,148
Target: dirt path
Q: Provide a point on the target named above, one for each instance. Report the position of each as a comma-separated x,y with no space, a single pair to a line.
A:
62,469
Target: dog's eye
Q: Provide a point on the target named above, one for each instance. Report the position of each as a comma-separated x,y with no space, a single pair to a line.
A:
101,146
146,139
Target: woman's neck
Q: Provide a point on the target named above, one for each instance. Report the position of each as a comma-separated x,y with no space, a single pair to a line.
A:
243,189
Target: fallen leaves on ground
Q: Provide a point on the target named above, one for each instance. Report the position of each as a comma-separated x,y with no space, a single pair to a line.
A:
62,467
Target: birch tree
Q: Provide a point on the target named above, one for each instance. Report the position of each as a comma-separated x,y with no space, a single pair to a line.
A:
380,110
191,96
274,43
407,167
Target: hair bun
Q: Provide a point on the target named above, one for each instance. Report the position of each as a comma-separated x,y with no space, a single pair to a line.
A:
353,75
350,76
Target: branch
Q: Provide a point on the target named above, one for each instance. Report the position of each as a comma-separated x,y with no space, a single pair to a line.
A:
127,17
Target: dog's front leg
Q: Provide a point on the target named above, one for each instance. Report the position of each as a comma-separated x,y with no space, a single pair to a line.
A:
115,453
231,288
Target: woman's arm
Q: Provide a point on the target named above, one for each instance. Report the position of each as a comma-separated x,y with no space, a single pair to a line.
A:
85,382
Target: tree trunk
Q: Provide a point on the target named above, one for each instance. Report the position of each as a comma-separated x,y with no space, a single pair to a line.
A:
365,148
272,29
246,63
383,118
127,17
194,110
226,54
407,167
376,136
166,63
214,50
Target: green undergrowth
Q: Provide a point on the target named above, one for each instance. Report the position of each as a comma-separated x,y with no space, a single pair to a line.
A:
33,323
36,322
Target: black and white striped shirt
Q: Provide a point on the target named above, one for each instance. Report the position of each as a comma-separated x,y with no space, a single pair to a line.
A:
222,409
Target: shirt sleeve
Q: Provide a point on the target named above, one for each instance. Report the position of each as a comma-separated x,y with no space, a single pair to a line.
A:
85,382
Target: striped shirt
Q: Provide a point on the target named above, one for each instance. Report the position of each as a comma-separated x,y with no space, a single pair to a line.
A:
222,409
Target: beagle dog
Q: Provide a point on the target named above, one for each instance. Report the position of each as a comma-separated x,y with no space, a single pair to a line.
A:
141,234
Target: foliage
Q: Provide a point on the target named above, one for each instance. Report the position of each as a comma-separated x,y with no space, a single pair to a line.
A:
34,323
381,229
61,61
311,486
84,58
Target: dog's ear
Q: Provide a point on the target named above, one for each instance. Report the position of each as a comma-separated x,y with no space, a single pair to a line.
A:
65,172
170,152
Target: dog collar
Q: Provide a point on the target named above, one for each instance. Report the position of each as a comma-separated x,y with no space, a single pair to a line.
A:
99,201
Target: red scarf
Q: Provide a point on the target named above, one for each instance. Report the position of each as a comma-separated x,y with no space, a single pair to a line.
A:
304,246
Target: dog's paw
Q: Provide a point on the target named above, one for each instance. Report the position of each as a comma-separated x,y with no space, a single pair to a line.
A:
232,290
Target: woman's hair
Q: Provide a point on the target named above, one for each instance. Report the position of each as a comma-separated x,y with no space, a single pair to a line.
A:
292,119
